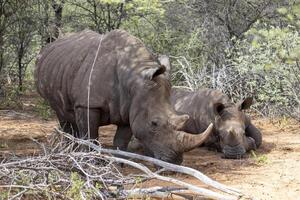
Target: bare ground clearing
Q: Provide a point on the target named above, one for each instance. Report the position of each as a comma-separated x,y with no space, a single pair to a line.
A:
272,173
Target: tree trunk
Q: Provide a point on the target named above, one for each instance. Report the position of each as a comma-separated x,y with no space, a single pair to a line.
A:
58,9
20,66
43,9
20,75
1,52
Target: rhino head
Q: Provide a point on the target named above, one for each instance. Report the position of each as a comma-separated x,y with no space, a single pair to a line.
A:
230,125
154,122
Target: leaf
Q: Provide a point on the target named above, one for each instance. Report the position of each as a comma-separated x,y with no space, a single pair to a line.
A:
282,10
255,43
268,67
290,17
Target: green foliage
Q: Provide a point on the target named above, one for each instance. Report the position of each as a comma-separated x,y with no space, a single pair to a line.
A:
260,159
3,145
22,178
43,109
179,45
144,7
11,98
77,185
4,195
270,62
291,14
107,15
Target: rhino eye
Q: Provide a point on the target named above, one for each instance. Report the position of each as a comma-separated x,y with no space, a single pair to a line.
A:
154,123
222,134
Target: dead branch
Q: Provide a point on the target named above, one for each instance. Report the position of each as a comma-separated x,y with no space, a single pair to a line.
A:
198,190
64,173
158,192
168,166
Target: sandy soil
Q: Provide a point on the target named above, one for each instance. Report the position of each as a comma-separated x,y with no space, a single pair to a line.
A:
272,173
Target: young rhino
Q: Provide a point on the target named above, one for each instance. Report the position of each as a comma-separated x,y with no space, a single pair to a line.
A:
233,133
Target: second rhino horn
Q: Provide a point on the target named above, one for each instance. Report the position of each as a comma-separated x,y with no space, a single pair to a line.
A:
190,141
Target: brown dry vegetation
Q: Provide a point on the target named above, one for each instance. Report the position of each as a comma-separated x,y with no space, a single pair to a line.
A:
272,172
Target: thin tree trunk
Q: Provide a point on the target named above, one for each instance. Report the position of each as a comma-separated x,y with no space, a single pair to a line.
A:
20,73
20,66
58,9
1,53
43,8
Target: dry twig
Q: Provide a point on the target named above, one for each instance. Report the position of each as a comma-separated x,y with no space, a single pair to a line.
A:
63,173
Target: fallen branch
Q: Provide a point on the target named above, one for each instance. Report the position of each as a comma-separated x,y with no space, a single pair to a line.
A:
176,168
158,192
64,173
172,167
198,190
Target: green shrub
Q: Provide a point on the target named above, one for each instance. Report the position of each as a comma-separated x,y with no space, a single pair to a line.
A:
77,185
11,98
43,109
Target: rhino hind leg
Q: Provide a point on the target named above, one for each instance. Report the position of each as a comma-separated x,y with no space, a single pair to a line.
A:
69,127
252,131
83,124
122,137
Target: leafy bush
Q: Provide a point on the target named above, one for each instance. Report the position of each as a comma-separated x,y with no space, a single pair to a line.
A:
265,64
43,109
10,97
77,185
270,67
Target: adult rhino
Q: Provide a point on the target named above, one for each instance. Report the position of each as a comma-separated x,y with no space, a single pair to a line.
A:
92,80
233,132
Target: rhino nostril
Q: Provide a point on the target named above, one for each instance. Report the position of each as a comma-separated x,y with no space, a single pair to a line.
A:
237,156
234,146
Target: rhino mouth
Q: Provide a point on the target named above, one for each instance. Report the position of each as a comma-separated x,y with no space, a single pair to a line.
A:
236,152
165,154
175,159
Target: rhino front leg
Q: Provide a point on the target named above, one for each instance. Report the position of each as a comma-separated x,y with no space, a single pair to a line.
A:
83,124
122,137
253,132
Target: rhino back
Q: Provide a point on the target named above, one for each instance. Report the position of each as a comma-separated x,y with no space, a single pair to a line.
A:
198,105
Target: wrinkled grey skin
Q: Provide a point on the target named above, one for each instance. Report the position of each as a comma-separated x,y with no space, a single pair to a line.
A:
129,88
233,134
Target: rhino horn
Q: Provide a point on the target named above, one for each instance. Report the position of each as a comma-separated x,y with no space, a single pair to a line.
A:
191,141
231,135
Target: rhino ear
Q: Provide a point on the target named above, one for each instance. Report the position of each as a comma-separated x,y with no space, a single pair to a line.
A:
246,103
165,61
178,121
152,72
218,108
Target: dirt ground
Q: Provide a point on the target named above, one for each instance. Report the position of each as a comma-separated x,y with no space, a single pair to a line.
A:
272,172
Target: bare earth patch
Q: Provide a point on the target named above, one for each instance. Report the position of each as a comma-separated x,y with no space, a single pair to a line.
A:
272,172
